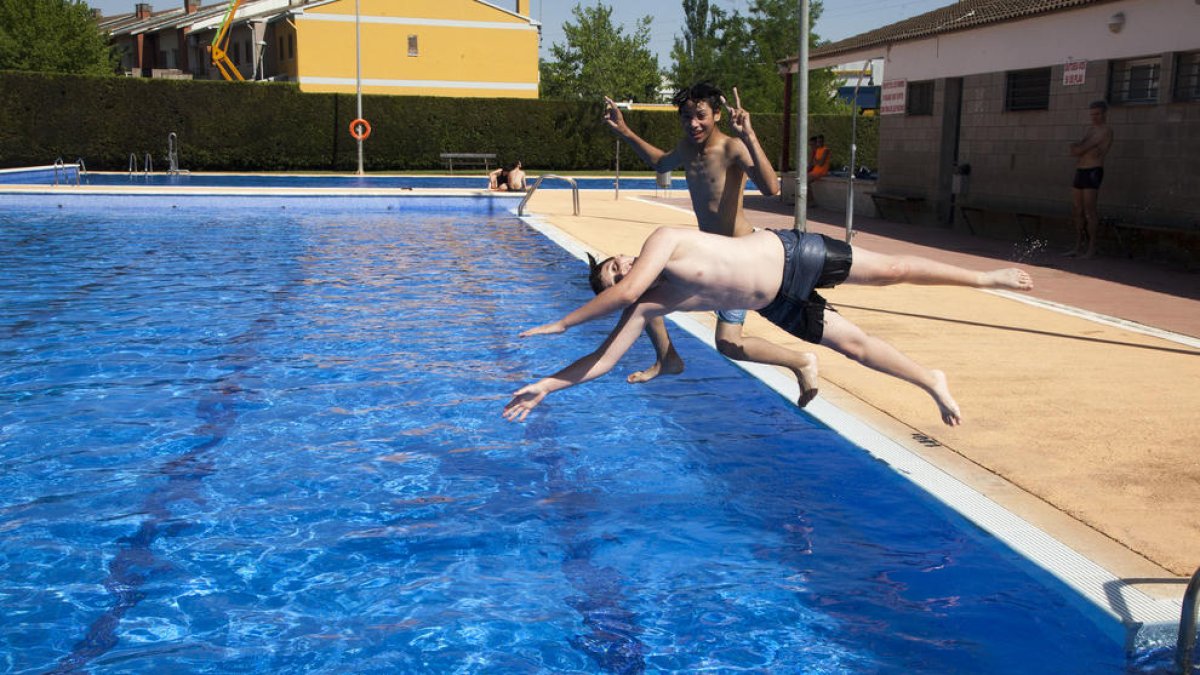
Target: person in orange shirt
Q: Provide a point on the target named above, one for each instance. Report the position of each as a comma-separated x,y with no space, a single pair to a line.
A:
818,163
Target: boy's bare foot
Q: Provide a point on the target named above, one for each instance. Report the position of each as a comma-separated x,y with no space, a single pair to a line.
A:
1011,278
806,377
951,415
672,366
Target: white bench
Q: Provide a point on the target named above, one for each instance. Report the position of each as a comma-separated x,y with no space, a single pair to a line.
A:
468,159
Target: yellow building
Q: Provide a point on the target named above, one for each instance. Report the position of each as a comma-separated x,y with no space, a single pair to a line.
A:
415,48
458,48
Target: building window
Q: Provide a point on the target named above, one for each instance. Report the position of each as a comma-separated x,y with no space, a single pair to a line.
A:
1134,81
281,52
1027,90
237,53
1187,77
412,46
291,45
920,98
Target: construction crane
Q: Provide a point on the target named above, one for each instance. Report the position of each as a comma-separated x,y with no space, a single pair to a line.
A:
220,45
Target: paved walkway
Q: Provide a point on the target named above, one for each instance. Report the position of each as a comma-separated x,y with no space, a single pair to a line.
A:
1088,429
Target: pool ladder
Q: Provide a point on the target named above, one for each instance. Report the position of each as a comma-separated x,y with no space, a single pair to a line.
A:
1185,647
60,169
538,182
173,155
147,167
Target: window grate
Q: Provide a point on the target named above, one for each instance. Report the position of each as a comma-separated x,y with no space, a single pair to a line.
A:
1134,81
1028,90
920,98
1187,77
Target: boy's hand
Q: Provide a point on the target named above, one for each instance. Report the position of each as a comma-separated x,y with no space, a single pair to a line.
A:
525,399
739,119
613,117
545,329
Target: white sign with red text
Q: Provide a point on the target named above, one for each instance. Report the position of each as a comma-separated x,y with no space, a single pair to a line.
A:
1074,72
893,97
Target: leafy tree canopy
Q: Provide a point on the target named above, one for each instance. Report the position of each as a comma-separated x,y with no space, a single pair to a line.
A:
52,36
731,50
599,59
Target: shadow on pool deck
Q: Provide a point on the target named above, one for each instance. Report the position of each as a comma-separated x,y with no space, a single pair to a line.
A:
1086,429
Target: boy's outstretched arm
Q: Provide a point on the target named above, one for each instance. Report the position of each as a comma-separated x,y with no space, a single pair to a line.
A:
658,159
587,368
650,263
755,162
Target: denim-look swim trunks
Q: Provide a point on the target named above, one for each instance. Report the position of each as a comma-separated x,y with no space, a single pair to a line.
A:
809,261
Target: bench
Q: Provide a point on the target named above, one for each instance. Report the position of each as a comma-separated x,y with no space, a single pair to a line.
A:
1129,231
905,203
1030,221
483,159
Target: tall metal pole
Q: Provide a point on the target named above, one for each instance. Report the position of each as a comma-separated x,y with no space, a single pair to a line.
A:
358,79
801,223
617,182
853,154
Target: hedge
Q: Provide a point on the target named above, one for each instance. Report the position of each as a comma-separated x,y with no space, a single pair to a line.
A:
226,126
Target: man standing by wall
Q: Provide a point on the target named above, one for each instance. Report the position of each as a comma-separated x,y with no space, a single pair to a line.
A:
1089,172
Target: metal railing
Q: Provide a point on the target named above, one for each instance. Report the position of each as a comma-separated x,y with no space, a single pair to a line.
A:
133,167
538,182
173,155
148,167
82,169
58,167
1185,647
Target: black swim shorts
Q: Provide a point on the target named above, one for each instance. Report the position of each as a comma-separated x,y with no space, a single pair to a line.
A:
1088,179
809,261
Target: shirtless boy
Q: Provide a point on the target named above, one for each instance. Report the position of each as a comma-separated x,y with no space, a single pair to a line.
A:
1089,172
716,166
771,271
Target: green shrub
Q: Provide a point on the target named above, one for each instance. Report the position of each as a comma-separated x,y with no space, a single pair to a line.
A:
225,126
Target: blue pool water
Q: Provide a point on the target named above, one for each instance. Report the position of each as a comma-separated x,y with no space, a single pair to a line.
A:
233,443
472,182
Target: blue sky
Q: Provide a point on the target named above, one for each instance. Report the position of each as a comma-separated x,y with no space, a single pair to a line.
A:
842,18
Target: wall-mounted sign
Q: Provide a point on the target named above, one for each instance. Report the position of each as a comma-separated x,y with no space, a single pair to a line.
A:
1074,72
892,100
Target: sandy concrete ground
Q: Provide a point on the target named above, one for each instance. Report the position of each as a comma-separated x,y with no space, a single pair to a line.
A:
1088,430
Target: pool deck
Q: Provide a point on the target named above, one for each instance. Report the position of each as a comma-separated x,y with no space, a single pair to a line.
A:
1080,399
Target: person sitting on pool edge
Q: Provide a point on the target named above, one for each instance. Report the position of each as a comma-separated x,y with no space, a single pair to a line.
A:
511,179
771,271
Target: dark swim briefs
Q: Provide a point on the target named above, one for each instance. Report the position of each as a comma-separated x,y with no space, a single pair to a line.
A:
809,261
1088,179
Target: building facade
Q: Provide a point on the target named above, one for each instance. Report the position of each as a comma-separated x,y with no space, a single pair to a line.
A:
460,48
1003,86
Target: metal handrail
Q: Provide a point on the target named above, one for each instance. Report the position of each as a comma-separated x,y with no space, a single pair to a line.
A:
58,166
538,182
1185,646
132,164
148,168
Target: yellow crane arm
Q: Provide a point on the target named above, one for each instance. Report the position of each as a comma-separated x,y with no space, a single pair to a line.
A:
220,45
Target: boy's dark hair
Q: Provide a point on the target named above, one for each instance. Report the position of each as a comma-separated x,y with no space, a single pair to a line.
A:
701,91
1102,106
594,274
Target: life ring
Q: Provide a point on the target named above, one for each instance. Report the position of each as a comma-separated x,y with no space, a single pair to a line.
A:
360,135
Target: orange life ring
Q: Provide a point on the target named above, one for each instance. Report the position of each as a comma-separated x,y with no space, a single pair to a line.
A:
360,135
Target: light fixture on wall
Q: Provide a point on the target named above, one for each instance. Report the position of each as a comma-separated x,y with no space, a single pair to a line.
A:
1117,21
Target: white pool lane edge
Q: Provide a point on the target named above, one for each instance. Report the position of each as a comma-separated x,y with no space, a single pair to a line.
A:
1140,620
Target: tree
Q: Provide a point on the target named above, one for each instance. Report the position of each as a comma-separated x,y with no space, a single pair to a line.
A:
600,60
53,36
731,50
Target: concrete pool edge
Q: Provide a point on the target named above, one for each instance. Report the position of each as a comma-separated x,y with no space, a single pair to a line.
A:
1141,621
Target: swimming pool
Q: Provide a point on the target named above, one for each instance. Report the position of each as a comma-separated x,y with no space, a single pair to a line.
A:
44,176
272,443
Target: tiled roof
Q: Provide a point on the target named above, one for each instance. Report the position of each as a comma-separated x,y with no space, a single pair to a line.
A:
962,15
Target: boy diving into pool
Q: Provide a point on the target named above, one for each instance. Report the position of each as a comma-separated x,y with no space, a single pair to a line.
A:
716,166
771,271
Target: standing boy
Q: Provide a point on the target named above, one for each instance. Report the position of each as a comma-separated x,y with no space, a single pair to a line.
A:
716,166
1089,172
